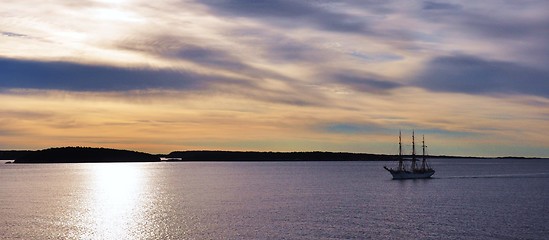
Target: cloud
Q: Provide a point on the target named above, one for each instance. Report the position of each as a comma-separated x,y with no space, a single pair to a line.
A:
474,75
221,59
371,128
513,30
287,12
209,57
170,48
74,77
376,57
12,34
517,25
354,128
362,82
280,49
524,36
429,5
95,78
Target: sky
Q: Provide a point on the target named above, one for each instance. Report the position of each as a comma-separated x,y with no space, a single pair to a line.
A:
276,75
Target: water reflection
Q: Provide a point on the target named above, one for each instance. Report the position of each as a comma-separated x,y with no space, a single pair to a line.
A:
115,209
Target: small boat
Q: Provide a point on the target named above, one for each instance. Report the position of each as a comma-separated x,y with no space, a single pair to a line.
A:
414,171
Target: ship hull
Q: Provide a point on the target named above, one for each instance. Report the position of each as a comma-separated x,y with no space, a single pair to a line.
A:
410,175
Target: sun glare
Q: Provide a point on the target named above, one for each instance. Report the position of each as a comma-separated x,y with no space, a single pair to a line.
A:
115,207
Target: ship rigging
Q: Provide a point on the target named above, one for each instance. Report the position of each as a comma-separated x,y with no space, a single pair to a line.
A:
414,171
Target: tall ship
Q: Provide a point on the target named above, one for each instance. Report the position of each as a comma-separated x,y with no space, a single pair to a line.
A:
418,168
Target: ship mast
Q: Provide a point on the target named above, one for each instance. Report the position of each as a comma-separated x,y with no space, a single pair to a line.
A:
400,165
413,151
423,153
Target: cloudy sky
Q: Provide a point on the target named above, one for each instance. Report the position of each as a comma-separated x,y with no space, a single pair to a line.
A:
276,75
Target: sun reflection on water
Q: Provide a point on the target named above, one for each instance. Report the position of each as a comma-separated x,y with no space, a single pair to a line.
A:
115,207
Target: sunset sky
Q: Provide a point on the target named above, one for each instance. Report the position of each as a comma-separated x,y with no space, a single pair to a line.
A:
276,75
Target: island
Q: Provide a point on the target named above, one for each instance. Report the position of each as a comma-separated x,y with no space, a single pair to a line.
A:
251,156
85,155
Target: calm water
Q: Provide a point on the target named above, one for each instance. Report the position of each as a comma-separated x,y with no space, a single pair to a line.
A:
467,199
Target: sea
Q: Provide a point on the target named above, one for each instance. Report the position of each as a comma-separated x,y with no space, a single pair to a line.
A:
465,199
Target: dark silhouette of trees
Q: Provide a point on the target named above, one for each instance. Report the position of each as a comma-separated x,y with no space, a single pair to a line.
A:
85,155
275,156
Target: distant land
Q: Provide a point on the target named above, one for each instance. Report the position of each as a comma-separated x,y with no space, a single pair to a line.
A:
275,156
88,154
253,156
84,155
